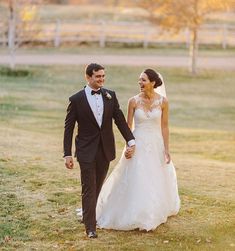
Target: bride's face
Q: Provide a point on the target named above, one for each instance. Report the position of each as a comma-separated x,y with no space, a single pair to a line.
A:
144,82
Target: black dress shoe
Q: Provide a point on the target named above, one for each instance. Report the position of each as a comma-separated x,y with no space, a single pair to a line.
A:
92,234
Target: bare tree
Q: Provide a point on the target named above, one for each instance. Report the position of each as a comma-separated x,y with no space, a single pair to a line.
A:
11,32
18,16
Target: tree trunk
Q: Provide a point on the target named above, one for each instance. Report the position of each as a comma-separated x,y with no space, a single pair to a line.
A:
194,51
11,34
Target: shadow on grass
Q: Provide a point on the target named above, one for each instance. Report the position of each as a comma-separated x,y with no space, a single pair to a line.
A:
6,71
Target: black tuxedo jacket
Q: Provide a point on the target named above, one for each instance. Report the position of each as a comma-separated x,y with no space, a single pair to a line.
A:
89,134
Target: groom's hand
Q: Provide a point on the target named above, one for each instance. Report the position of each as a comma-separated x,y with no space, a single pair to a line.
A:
129,152
69,162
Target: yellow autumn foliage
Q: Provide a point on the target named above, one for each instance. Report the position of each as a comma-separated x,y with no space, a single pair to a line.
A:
28,13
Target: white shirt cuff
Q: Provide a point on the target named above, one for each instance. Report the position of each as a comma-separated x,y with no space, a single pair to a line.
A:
131,142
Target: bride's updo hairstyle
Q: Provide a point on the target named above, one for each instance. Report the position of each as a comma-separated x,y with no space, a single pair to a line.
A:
153,76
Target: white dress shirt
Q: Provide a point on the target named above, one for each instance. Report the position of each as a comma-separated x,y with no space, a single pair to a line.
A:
96,103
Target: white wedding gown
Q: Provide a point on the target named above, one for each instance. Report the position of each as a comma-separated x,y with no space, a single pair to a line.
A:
142,191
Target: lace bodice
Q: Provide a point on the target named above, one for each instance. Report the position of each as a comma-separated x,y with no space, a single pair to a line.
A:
148,116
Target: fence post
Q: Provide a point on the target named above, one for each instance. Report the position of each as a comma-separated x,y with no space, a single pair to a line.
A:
146,38
102,34
224,36
57,33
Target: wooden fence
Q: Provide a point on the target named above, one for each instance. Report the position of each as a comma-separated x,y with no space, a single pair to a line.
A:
62,32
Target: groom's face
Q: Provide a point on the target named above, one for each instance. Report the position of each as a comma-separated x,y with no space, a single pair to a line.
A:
96,81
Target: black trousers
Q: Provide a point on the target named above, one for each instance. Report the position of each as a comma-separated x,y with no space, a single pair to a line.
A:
92,177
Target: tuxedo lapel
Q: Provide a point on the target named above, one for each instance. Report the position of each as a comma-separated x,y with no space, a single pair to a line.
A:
87,108
106,106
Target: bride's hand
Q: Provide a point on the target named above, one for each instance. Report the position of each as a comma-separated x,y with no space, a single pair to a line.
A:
167,157
129,152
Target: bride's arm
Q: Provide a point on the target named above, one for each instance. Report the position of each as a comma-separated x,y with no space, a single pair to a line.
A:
130,112
165,128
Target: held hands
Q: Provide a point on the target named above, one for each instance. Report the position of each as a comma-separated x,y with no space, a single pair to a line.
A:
167,157
130,150
69,162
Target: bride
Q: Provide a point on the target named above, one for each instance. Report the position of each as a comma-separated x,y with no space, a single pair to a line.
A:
142,190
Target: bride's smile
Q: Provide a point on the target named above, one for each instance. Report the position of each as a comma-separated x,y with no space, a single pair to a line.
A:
145,84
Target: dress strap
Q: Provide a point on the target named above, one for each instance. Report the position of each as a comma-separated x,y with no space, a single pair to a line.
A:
161,99
137,99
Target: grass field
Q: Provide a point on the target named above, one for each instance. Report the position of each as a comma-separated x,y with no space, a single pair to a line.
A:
92,49
39,196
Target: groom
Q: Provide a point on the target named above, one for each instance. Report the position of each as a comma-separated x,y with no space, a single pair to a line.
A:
93,109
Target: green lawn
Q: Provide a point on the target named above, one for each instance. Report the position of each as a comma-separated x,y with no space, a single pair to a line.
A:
93,49
39,196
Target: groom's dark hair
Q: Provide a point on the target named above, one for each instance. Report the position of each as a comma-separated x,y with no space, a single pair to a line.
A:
93,67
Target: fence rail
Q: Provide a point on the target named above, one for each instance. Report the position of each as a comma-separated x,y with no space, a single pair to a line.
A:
61,32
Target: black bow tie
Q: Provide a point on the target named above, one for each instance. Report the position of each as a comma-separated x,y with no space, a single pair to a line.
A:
95,92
